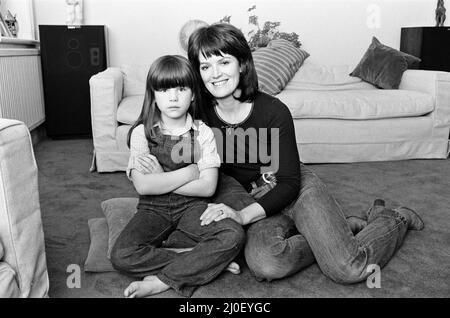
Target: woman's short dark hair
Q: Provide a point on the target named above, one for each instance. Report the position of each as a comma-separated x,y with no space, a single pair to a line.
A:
218,39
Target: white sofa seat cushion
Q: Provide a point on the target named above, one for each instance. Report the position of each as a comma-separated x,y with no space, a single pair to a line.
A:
129,109
356,104
321,77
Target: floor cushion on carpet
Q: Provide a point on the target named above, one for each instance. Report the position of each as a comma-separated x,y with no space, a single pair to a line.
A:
97,261
118,212
105,231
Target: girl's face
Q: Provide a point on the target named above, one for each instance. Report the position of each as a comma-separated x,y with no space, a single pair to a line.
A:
173,102
220,74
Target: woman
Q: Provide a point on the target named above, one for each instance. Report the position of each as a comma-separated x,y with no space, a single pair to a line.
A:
297,221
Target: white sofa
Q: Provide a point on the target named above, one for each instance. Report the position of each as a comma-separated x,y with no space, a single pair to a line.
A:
337,118
23,269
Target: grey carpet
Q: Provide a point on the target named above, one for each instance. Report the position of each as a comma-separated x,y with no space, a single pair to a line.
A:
70,195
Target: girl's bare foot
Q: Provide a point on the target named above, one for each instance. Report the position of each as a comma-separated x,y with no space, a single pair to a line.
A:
151,285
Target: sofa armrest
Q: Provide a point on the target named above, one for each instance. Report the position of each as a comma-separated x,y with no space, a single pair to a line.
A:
8,283
106,89
21,233
435,83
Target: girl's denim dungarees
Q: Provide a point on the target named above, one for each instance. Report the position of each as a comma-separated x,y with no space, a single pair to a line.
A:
139,251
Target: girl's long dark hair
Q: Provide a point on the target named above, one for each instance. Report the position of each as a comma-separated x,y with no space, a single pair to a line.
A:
166,72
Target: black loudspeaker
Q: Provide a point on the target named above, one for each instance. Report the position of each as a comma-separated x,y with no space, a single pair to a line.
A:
70,56
431,44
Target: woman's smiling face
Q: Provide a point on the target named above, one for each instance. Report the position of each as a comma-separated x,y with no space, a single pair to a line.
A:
220,74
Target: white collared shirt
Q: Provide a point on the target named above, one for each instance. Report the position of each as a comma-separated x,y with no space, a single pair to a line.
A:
177,131
209,158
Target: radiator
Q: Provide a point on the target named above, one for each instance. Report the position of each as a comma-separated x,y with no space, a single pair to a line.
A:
21,89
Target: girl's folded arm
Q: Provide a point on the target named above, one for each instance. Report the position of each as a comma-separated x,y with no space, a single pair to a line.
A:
204,186
165,182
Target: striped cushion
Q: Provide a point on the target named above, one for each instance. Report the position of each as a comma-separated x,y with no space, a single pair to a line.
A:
276,64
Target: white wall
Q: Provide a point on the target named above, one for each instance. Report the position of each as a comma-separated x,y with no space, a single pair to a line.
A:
332,31
23,9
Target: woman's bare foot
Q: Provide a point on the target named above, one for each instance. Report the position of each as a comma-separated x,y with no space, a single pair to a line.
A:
151,285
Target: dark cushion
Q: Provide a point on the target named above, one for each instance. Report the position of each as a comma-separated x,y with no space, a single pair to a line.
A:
118,212
276,64
97,261
383,66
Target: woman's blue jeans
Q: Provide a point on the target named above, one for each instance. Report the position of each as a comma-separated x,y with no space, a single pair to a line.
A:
314,228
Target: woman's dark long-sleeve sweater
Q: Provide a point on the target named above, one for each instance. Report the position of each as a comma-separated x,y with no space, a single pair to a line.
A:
259,129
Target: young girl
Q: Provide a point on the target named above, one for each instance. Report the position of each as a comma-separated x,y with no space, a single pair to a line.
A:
183,163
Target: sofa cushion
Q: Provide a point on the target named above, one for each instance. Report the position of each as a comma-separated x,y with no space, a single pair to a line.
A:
383,66
356,104
276,64
134,78
129,109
